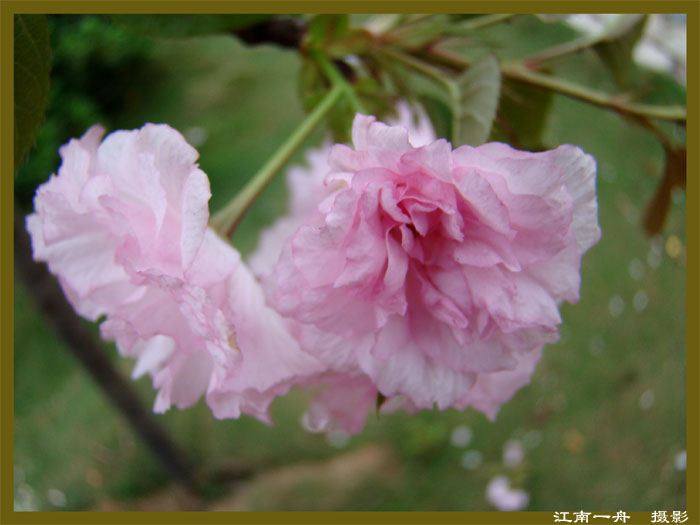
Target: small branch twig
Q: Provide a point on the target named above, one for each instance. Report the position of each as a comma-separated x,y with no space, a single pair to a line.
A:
226,219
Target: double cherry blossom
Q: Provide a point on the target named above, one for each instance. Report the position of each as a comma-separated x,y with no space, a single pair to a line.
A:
406,273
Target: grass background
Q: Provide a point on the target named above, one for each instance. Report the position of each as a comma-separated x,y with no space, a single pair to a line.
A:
602,420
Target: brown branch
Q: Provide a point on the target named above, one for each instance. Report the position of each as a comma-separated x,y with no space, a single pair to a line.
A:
49,298
282,32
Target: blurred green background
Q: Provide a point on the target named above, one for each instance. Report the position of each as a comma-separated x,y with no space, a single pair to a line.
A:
602,425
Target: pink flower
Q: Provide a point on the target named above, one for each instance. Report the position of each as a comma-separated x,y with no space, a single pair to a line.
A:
433,274
306,189
500,494
124,227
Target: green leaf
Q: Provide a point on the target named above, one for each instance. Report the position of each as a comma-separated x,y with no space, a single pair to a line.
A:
326,29
340,119
374,99
615,49
32,71
177,26
438,112
354,42
474,100
416,36
311,84
393,75
522,115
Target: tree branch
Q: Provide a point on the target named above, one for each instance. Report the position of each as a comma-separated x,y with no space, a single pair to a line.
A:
49,298
282,32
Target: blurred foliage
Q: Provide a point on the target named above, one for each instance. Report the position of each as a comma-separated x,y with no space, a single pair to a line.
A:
177,26
99,71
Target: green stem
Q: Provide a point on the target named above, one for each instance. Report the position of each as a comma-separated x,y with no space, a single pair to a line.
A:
418,18
597,98
445,33
517,71
336,79
420,66
407,29
226,220
574,46
567,48
430,71
478,23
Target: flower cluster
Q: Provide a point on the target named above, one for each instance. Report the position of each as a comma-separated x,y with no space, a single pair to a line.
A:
406,272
